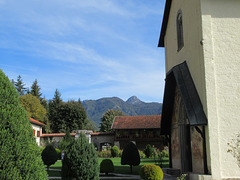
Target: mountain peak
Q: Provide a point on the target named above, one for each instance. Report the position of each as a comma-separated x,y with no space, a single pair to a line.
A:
134,100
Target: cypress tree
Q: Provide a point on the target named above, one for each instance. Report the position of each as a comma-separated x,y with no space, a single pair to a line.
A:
19,154
80,160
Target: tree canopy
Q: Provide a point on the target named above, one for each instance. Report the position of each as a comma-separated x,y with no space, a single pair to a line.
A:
66,115
107,119
34,107
20,156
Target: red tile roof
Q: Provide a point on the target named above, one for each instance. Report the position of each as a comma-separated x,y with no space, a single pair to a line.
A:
137,122
36,122
101,133
56,134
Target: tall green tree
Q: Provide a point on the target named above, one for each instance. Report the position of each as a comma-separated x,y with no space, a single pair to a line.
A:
33,106
69,115
19,154
80,160
35,90
107,119
20,86
54,113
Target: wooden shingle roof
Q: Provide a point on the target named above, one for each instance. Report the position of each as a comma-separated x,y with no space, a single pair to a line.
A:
137,122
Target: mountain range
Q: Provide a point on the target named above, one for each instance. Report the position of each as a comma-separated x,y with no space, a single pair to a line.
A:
132,107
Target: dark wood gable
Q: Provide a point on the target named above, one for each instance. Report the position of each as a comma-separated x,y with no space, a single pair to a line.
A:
179,76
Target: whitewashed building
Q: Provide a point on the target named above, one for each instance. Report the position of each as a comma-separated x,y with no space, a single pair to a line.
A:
37,129
202,92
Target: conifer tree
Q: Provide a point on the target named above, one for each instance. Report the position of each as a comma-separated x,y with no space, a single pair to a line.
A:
20,86
80,160
67,139
19,154
35,90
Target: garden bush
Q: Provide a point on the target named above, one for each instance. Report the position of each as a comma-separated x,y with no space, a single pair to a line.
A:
151,172
148,151
49,156
59,153
130,155
141,153
104,154
20,156
106,166
114,151
80,160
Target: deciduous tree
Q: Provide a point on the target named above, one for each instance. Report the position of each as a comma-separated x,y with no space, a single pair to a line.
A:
107,119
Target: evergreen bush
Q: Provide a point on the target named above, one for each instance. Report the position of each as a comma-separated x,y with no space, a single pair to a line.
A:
59,153
20,156
49,156
130,155
148,151
106,166
67,139
80,160
151,172
114,151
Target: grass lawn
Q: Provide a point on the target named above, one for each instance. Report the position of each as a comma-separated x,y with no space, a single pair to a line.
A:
118,168
125,169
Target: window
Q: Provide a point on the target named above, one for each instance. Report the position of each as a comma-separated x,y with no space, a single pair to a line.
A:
38,133
34,132
179,30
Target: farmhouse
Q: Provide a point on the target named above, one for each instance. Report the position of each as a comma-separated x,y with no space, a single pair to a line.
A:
37,129
142,130
201,103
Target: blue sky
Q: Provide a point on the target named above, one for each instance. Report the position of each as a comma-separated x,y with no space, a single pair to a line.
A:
86,49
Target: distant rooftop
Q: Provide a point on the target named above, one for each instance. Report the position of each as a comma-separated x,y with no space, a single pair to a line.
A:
33,121
137,122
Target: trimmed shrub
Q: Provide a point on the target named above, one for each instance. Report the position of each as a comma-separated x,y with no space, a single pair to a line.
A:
114,151
141,153
104,154
148,151
106,166
130,155
49,156
151,172
80,160
59,153
20,156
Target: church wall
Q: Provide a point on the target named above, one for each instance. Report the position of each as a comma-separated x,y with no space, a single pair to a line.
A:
221,43
176,157
197,151
192,51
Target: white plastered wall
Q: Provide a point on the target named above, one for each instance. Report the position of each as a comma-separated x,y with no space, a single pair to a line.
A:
221,42
37,128
211,31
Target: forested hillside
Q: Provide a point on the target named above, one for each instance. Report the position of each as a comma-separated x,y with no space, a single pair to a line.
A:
132,107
